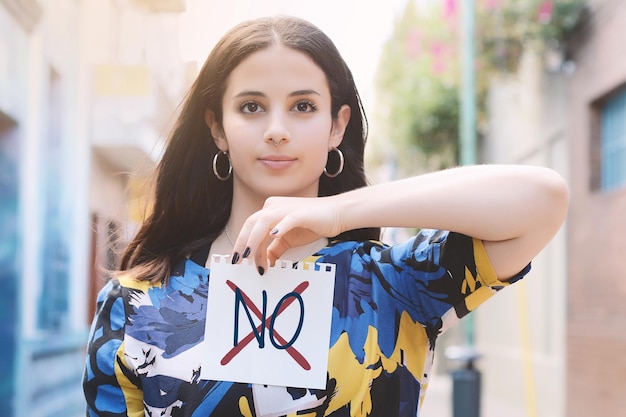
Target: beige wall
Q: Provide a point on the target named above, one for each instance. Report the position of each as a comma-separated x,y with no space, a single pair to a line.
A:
597,312
521,332
108,189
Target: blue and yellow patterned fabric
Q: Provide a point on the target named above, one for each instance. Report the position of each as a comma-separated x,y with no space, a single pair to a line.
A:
390,305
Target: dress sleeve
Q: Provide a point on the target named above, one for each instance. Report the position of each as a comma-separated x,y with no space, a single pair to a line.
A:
441,276
110,387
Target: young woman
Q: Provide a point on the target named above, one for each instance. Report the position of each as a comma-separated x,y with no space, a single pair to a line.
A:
266,162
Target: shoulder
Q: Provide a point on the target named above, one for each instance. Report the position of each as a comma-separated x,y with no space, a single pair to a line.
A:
429,250
425,240
339,252
113,299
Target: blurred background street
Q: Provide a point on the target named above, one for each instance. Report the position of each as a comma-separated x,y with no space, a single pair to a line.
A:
90,88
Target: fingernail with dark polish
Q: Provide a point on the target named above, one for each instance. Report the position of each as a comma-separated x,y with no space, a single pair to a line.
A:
273,232
246,252
235,258
261,270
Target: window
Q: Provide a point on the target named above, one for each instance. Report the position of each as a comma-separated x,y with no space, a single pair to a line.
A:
613,141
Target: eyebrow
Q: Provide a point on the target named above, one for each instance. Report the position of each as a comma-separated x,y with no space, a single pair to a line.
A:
296,93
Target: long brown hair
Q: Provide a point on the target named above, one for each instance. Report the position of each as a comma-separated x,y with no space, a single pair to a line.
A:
191,206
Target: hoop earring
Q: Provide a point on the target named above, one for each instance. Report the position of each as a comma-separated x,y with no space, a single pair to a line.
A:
230,166
341,161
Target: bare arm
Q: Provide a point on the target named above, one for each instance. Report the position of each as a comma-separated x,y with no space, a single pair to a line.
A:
515,210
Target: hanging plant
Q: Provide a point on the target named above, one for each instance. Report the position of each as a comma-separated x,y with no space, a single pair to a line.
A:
418,77
507,27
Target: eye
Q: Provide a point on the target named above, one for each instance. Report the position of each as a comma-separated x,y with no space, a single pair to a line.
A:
305,106
250,107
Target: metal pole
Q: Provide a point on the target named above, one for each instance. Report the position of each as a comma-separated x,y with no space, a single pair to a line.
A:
468,110
466,381
468,86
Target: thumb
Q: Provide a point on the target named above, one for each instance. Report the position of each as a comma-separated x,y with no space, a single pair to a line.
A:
275,249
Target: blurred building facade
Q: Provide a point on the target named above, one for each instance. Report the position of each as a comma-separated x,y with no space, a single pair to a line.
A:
87,90
521,332
565,110
44,223
596,367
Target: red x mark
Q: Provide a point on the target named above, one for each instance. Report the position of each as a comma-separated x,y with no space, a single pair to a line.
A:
297,356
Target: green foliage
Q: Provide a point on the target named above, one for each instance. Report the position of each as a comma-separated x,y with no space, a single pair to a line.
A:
418,77
506,30
555,26
418,90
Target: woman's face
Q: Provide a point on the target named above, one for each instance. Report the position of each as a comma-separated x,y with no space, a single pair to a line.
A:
277,124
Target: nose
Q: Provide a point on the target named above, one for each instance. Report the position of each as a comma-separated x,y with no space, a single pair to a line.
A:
277,131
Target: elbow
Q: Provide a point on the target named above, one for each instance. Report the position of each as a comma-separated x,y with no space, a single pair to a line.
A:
554,195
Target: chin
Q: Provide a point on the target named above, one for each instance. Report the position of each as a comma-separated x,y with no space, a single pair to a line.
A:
290,191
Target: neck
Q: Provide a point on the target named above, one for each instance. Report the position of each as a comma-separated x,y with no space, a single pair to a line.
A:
247,202
244,205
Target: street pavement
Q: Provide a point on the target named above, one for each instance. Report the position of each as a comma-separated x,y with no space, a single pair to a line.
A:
438,402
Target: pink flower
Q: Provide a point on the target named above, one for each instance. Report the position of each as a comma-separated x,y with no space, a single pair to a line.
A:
439,59
439,67
544,12
413,43
449,9
437,49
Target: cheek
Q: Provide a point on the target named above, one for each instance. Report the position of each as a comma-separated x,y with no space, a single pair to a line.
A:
237,129
318,155
316,131
242,165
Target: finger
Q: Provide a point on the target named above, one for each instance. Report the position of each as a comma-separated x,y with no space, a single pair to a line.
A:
275,250
279,243
260,257
258,239
283,227
241,250
236,254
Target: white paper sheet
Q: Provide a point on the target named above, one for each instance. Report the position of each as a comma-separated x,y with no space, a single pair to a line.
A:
289,348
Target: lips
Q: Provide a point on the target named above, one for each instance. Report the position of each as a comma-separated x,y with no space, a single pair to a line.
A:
277,162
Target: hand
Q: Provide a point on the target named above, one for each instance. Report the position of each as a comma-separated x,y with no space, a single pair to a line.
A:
286,222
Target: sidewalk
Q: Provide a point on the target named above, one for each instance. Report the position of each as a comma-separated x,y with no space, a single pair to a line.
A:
438,402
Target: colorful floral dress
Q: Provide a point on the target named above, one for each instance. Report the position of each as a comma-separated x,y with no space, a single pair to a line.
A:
390,305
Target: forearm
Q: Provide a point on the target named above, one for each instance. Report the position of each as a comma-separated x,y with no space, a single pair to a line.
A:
489,202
